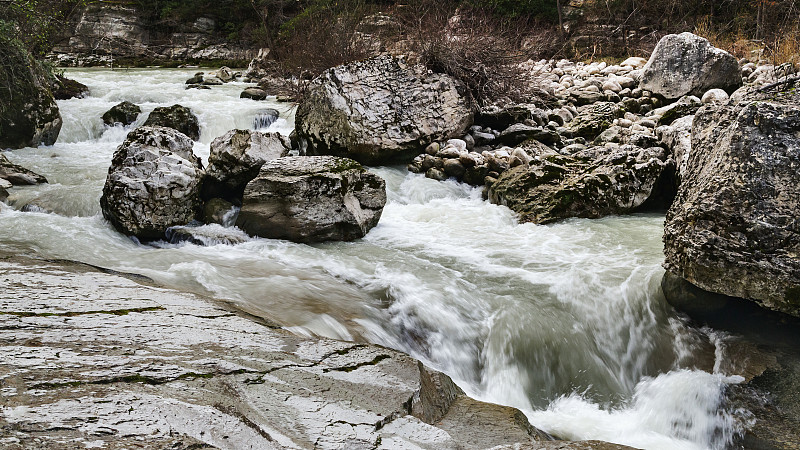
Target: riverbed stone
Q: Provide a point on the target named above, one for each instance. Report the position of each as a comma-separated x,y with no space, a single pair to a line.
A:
177,117
125,113
312,199
117,361
592,183
235,159
153,183
593,119
733,229
17,175
686,64
254,93
65,88
380,111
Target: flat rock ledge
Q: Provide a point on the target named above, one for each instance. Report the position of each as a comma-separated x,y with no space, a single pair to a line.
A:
95,358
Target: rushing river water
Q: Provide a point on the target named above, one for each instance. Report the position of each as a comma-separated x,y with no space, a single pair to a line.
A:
563,321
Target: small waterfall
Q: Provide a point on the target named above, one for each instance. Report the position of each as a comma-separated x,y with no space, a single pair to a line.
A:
265,118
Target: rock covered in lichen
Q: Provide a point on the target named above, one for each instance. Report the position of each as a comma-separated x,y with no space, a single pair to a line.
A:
733,226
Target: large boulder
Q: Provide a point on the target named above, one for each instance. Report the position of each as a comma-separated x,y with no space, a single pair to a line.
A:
733,227
64,89
153,183
29,116
312,199
381,111
17,175
592,183
677,137
686,64
125,113
593,119
236,158
177,117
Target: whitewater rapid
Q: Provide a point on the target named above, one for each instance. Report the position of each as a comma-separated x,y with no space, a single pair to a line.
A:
564,321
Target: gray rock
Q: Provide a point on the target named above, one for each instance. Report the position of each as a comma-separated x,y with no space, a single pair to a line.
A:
594,119
482,138
379,111
677,137
715,96
155,368
436,173
591,183
153,183
686,106
500,118
220,211
254,93
196,79
225,74
236,158
312,199
124,113
732,229
686,64
212,81
176,117
17,175
454,168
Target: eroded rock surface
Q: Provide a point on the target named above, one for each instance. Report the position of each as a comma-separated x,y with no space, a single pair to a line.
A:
591,183
380,111
312,199
686,64
153,183
733,226
235,159
100,359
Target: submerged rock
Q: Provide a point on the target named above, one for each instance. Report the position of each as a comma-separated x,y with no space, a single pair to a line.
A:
125,113
592,183
235,159
380,111
65,89
733,227
312,199
177,117
18,175
153,183
206,235
686,64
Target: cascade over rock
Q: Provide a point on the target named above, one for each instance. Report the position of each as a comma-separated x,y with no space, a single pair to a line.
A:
686,64
380,111
733,227
312,199
153,183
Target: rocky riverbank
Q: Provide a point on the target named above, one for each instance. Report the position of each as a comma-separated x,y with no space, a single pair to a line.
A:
104,359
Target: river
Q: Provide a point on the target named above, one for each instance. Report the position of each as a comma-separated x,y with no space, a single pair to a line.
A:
564,321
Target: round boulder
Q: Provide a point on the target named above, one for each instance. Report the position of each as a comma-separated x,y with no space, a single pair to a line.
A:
686,64
381,111
153,183
176,117
124,113
312,199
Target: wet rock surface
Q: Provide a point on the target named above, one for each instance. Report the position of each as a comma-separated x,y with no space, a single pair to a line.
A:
177,117
732,228
125,113
235,159
153,183
312,199
98,358
65,89
17,175
380,111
